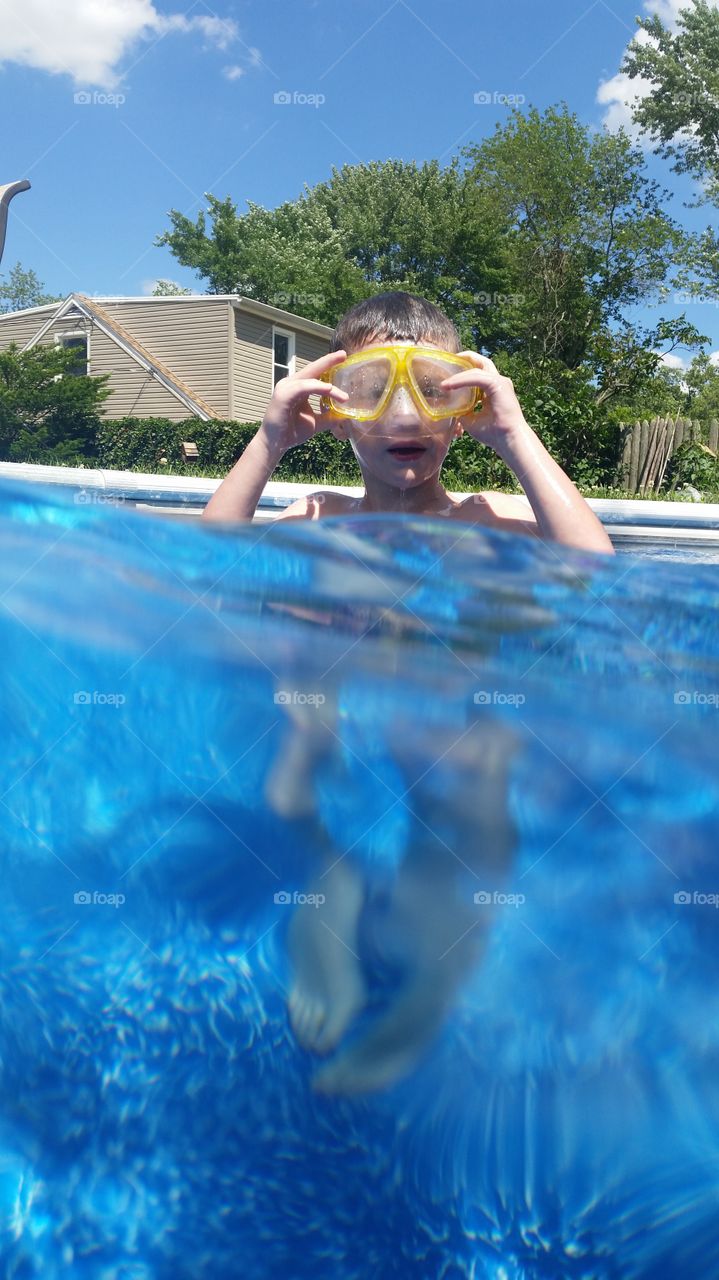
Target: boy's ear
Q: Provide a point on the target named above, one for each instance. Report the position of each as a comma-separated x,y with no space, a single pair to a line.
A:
338,429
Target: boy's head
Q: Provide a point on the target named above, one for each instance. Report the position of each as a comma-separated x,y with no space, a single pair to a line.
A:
398,318
394,317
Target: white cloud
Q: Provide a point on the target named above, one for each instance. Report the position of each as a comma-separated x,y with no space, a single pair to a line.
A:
233,73
617,93
88,39
714,358
671,361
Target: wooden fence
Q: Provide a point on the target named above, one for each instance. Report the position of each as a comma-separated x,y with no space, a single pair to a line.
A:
648,446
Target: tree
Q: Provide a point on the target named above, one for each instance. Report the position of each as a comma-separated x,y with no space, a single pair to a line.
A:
46,414
537,242
169,289
681,115
681,111
701,382
389,225
23,289
585,237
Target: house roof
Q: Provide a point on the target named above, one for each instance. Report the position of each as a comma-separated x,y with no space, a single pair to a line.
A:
92,310
288,318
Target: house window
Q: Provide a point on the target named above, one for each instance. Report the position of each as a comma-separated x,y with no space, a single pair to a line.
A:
75,342
283,354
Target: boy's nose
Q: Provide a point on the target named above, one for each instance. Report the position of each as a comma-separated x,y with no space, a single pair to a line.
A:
401,403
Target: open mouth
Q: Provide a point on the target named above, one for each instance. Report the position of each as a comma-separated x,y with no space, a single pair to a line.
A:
407,451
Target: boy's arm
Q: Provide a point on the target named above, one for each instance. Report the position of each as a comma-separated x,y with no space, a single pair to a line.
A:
561,513
289,421
237,497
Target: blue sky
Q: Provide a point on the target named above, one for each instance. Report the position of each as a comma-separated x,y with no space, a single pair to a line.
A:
123,109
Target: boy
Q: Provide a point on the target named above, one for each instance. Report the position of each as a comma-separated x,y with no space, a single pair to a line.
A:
403,481
400,405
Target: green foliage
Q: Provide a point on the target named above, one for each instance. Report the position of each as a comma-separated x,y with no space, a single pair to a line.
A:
681,113
139,444
170,289
22,289
536,242
142,443
46,413
693,463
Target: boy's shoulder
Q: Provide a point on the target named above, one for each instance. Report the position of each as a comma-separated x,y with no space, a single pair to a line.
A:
489,505
315,506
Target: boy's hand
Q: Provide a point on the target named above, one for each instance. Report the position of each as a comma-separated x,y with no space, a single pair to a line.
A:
289,418
500,418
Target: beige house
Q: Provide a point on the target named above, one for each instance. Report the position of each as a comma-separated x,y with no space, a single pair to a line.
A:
210,356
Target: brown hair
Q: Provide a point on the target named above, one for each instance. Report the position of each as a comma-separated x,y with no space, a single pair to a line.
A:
394,317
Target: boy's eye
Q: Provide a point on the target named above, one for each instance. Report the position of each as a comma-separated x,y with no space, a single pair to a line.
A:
431,390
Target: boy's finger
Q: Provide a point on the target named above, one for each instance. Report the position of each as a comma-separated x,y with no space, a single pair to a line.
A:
319,366
472,378
296,388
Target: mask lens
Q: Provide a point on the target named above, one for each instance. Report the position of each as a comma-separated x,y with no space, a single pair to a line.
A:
364,382
428,373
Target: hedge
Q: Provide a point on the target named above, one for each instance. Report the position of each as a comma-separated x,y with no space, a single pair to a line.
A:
142,444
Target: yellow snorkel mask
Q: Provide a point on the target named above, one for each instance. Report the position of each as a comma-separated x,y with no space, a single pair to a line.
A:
370,377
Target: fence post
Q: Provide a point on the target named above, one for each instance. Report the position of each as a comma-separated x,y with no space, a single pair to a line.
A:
634,457
714,435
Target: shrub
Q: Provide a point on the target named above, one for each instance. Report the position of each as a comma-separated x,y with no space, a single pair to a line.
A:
693,463
44,410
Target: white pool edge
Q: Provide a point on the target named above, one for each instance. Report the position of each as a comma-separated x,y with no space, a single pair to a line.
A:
190,493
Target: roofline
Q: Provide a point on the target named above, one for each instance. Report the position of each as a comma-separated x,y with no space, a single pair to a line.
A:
289,317
142,357
26,311
252,305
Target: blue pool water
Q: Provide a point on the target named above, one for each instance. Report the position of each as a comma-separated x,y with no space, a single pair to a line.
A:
159,1117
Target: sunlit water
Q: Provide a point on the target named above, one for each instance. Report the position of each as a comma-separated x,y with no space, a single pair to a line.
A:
159,1119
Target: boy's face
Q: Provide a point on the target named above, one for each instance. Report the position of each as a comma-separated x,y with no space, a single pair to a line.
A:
381,446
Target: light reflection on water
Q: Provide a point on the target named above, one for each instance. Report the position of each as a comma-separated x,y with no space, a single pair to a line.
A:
514,767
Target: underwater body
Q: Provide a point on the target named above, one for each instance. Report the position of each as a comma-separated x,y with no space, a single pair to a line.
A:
160,1116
